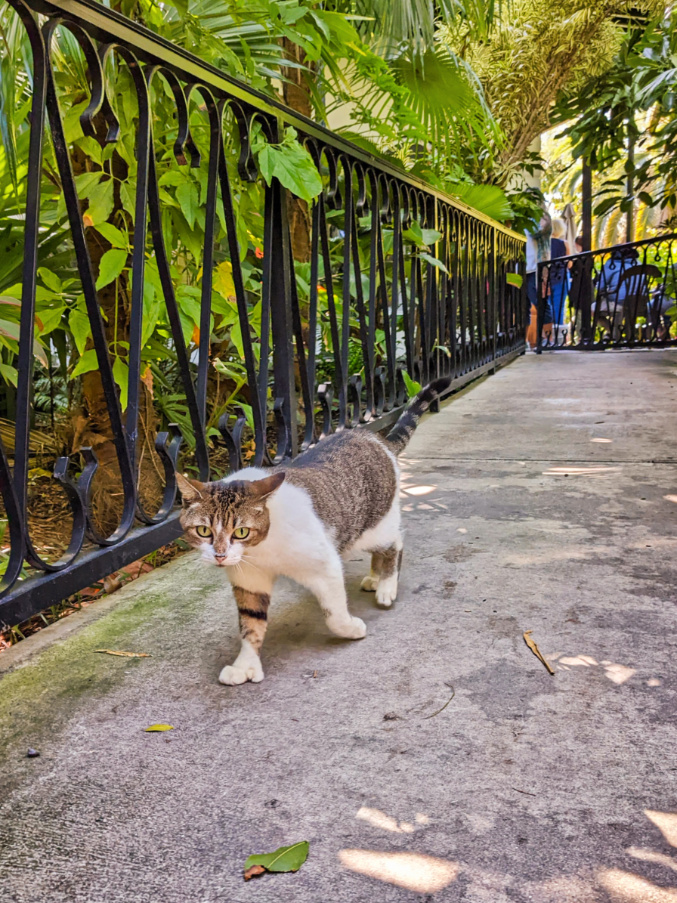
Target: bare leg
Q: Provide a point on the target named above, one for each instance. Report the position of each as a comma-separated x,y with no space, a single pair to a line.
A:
329,587
253,611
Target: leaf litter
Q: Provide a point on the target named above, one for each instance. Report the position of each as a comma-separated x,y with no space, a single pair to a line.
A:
159,727
537,652
285,859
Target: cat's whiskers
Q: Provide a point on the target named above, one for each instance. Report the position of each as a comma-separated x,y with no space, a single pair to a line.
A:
251,564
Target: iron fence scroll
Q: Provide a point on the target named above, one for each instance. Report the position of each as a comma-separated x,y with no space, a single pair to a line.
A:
331,350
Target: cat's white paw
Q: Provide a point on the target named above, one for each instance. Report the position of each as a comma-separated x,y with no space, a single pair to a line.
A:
369,584
232,675
354,629
386,591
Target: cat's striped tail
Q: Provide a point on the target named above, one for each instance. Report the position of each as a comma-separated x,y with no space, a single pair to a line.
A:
399,436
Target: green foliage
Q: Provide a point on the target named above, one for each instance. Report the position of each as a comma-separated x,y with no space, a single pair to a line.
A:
286,859
413,388
634,103
291,164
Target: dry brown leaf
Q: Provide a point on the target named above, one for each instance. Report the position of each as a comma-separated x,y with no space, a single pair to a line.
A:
147,380
537,652
253,871
111,583
126,654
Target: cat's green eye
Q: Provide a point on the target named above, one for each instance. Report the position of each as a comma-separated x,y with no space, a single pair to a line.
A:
205,532
241,533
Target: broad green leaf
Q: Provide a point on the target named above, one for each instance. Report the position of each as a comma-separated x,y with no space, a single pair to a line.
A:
188,303
86,182
422,238
286,859
78,323
172,177
112,264
9,374
47,319
128,198
430,236
186,195
100,202
236,338
10,301
159,727
113,235
433,261
291,163
91,147
248,412
488,199
413,388
50,279
121,377
151,311
223,279
88,362
40,353
11,330
514,279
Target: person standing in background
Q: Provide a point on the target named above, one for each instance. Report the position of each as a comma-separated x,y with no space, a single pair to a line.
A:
558,273
538,250
576,272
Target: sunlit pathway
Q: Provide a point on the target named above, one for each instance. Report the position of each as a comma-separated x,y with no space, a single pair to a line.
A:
543,499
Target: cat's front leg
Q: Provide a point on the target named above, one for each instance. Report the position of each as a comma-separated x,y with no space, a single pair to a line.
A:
252,609
327,584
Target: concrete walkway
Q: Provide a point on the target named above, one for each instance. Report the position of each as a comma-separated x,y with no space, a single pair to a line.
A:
544,498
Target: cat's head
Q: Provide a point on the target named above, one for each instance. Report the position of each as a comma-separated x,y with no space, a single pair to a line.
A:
223,520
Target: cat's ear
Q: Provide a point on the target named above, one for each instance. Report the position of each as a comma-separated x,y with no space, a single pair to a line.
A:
191,490
263,488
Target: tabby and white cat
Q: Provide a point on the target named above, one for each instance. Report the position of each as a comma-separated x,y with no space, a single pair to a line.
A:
298,520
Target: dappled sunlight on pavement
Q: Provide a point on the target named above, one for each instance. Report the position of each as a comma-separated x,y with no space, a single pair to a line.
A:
412,871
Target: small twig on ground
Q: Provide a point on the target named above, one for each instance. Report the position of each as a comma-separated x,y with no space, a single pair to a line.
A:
125,654
453,693
517,790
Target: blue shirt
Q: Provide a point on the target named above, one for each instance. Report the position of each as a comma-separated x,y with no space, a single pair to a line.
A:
611,283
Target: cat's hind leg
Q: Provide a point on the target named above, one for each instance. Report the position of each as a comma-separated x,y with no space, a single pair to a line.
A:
329,587
390,560
370,582
252,609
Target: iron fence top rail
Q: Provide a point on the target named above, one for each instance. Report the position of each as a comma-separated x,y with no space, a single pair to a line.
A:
671,236
112,27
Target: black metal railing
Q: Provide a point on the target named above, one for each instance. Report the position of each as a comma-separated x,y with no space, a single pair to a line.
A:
619,297
335,340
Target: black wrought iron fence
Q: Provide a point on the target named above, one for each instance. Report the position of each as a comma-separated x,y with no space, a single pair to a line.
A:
619,297
400,284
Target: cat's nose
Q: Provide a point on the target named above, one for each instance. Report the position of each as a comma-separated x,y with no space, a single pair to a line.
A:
220,556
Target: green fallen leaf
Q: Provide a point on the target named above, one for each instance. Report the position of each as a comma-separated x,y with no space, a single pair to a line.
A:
286,859
159,727
514,279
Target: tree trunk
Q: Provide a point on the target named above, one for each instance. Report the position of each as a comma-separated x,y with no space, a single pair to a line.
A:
92,424
295,94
